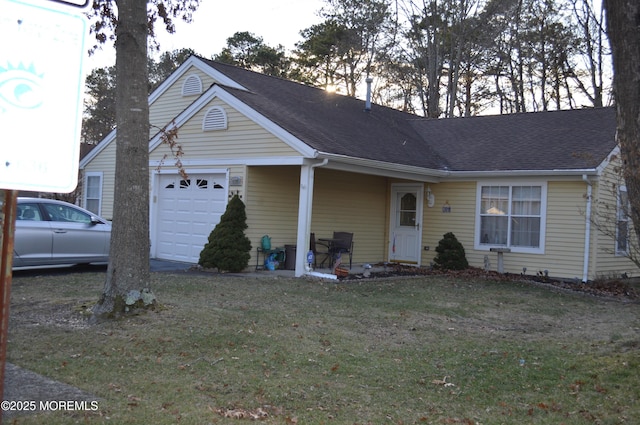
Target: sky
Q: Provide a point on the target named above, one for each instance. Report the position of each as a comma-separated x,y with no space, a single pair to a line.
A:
276,21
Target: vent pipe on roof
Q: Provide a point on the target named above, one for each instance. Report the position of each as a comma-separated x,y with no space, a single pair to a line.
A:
367,104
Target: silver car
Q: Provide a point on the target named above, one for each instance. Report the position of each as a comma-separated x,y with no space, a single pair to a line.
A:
55,233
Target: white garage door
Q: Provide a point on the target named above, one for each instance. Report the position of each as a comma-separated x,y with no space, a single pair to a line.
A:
187,212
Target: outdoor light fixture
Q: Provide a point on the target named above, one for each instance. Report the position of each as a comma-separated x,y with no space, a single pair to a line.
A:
431,199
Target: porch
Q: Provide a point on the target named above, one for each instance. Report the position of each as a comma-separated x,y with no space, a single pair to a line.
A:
288,203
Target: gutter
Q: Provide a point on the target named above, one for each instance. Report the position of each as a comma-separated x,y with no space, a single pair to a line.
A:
522,173
381,166
587,230
437,175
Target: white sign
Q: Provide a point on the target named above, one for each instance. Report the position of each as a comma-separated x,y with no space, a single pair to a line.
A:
42,56
83,4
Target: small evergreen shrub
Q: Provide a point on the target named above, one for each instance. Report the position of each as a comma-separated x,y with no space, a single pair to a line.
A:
228,248
451,255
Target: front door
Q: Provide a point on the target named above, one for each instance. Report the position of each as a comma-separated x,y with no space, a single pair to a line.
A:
406,223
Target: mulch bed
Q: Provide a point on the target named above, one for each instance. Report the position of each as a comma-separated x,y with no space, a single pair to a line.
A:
617,288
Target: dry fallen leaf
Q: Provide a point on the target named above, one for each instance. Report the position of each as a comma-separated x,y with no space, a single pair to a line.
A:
133,400
256,414
443,382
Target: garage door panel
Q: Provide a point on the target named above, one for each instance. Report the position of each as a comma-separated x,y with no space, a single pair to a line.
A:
203,207
203,231
201,213
165,249
187,211
201,223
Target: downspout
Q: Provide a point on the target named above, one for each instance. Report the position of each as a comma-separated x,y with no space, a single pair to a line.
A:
587,230
320,164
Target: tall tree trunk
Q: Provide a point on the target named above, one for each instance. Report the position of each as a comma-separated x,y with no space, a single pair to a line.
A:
128,269
623,17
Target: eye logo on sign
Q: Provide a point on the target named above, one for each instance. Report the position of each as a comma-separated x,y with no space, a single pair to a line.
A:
20,87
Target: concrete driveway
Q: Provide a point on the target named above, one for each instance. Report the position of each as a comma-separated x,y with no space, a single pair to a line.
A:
168,266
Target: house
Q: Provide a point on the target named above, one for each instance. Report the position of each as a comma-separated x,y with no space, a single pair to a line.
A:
305,160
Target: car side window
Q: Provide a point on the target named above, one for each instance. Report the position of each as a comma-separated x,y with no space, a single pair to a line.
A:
28,212
66,214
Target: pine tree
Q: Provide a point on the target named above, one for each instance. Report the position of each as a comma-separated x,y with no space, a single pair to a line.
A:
228,248
451,255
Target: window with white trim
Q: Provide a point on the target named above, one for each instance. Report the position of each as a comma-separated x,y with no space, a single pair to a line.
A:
93,192
511,216
622,222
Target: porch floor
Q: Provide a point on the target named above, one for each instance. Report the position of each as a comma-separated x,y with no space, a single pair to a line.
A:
173,266
356,269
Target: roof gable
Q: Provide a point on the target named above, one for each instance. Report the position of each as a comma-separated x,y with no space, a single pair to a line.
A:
164,87
192,62
223,93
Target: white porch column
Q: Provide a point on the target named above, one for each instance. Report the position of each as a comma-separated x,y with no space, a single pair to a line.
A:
305,203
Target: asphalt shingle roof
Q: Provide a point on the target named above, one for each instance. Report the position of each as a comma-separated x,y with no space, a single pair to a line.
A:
552,140
336,124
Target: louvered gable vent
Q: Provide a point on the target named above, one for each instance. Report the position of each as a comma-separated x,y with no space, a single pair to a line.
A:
214,119
192,86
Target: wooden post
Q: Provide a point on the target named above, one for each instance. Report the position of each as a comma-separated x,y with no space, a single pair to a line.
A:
8,221
500,252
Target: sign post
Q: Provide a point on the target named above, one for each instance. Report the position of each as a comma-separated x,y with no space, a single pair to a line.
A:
42,58
7,226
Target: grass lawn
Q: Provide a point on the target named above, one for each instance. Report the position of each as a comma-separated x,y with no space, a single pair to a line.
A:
426,350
